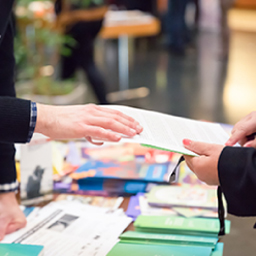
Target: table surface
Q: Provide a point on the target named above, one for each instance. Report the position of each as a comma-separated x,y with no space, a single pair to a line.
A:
134,30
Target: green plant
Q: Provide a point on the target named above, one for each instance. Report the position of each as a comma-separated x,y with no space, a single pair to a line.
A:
38,46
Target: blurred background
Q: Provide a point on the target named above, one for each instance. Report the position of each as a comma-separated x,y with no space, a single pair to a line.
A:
191,58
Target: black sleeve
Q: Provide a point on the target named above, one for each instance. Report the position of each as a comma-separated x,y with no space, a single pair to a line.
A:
9,121
237,174
15,118
5,13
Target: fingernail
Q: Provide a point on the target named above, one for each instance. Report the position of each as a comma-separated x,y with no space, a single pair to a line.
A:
247,145
138,128
132,131
186,142
228,143
117,137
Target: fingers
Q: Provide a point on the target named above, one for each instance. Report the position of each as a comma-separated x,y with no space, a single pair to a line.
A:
244,128
204,167
189,162
88,138
238,134
120,117
251,143
99,133
114,125
200,148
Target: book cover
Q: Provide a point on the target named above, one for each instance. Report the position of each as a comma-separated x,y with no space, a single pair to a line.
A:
133,209
125,168
185,196
179,225
36,184
21,250
125,249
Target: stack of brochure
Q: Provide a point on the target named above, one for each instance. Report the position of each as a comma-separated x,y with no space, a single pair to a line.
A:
171,235
112,169
179,225
127,249
167,239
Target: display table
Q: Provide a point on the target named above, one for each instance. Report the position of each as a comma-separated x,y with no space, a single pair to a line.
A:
121,25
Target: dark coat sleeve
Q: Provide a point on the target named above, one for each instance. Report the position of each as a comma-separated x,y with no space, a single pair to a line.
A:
237,174
14,113
5,13
15,118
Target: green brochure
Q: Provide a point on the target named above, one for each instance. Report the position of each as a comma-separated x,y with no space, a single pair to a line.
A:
179,225
166,239
21,250
124,249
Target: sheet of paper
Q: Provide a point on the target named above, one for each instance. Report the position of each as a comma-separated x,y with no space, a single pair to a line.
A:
167,131
70,229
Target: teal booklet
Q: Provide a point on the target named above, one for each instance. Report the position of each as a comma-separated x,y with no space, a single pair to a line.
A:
124,249
167,239
218,251
180,225
21,250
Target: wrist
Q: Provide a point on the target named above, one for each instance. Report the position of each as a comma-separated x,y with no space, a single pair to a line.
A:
44,119
8,197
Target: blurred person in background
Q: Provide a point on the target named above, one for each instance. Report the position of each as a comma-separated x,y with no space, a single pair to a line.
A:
225,6
148,6
177,29
82,20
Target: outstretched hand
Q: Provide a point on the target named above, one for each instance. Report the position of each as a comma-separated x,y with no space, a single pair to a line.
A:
11,216
90,121
243,132
205,166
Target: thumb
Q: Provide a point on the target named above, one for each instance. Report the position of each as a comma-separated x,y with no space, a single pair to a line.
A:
15,226
3,226
200,148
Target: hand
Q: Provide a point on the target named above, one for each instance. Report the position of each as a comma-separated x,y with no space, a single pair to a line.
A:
243,131
90,121
11,216
205,166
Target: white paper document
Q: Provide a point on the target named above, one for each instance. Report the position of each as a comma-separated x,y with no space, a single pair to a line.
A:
167,131
70,229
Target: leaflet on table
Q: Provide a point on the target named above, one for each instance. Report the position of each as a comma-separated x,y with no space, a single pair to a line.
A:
71,228
167,131
186,196
100,201
138,205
